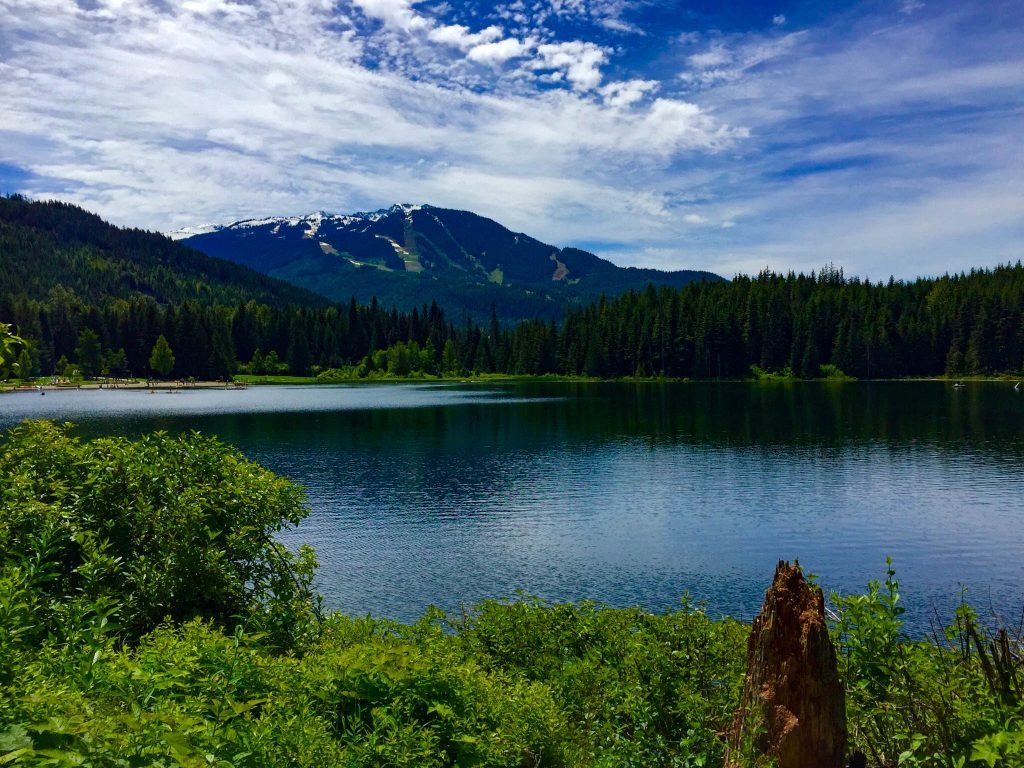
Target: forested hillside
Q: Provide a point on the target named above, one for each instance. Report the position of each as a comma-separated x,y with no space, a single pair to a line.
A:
95,298
48,244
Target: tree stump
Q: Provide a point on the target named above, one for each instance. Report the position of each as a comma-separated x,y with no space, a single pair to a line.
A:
793,710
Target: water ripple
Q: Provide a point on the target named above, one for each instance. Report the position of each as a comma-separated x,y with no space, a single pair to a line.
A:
629,494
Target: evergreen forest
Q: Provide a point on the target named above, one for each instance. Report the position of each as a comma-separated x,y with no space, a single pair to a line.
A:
92,299
801,325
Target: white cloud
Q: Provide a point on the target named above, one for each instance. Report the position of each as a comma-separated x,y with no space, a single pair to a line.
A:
715,57
580,62
396,13
672,123
647,203
618,25
460,36
627,92
226,7
606,13
498,52
779,19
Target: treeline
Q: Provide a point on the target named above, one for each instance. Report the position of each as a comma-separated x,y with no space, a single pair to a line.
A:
958,325
118,336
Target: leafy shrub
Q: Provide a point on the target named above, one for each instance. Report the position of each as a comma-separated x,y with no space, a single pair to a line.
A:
638,688
759,373
950,702
135,532
831,371
338,375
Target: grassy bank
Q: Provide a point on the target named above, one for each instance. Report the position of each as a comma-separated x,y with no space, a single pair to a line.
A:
147,617
378,377
757,376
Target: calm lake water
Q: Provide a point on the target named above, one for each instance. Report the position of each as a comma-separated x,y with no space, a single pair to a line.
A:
629,494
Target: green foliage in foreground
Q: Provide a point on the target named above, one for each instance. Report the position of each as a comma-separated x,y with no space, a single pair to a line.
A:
148,619
9,344
594,687
954,701
136,532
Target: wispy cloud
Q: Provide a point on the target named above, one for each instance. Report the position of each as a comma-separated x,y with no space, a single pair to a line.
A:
883,144
888,143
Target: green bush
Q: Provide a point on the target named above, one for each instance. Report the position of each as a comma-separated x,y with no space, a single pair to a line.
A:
638,688
135,532
948,702
834,372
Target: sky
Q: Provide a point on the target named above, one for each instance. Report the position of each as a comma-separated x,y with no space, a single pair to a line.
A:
884,137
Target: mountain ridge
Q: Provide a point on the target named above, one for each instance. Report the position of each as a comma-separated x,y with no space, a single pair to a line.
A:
411,254
186,232
51,244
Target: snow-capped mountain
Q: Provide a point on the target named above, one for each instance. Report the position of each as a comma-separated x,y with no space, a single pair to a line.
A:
311,222
408,255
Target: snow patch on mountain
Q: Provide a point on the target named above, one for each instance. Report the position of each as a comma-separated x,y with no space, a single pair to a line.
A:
276,221
185,232
312,222
398,248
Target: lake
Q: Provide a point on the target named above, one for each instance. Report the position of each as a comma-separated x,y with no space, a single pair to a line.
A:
626,493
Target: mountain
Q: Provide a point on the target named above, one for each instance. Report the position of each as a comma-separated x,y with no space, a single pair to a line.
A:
408,255
45,245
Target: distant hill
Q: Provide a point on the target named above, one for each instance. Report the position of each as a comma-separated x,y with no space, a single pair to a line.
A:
44,245
409,255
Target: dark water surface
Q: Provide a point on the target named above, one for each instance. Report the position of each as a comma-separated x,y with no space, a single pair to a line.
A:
629,494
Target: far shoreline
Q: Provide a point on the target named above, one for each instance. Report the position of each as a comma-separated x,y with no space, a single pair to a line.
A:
138,385
244,381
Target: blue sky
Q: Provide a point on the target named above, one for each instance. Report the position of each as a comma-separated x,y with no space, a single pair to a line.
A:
884,137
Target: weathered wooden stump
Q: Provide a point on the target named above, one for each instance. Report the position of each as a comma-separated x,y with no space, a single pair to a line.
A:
792,709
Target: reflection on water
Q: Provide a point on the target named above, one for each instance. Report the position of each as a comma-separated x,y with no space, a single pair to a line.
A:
625,493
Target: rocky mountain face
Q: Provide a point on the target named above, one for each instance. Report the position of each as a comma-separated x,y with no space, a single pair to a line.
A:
410,255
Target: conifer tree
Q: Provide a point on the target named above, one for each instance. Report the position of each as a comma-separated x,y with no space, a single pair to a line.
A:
88,353
161,360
